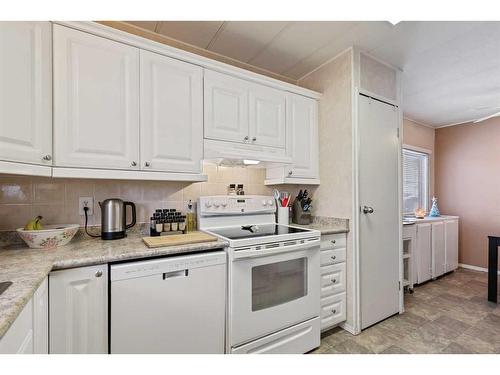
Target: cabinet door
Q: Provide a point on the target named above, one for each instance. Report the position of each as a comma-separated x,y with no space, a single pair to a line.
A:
171,114
423,252
41,319
302,136
438,253
267,116
25,92
19,338
226,107
96,101
451,245
79,310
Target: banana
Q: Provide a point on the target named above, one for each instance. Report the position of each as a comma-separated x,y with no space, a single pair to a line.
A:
34,224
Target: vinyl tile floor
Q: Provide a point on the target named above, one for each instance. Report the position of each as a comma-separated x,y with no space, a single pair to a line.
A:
449,315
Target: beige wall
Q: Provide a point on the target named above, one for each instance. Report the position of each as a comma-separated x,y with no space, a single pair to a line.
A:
335,136
22,197
422,136
334,195
468,184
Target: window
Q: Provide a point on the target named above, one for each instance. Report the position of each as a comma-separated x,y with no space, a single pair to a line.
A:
415,181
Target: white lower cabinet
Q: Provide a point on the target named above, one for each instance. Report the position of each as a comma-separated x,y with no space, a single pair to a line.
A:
436,250
333,280
28,333
79,310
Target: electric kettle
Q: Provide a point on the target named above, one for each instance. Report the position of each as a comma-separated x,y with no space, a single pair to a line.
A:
113,218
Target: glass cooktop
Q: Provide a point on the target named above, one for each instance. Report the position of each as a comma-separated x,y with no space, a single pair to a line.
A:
252,231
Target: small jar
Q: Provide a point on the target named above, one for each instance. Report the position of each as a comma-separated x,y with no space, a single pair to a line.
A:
231,190
152,227
159,225
166,225
182,223
174,225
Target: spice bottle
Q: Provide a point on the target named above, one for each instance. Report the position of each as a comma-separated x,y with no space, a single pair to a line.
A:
191,220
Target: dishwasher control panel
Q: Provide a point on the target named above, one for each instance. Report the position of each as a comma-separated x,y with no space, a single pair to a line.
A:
166,265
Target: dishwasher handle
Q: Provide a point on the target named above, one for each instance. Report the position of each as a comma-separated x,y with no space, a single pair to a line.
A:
175,274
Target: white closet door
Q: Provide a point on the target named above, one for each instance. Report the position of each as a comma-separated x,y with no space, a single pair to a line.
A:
438,250
302,124
226,107
26,92
379,226
267,116
96,101
171,114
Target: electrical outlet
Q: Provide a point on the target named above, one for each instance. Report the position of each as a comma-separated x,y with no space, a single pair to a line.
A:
86,202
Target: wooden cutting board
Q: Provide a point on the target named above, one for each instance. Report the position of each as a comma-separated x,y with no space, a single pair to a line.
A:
178,239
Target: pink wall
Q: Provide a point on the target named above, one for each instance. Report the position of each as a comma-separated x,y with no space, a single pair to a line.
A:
468,184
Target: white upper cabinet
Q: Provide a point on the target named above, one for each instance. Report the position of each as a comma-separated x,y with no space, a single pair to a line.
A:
267,116
171,114
96,101
226,107
26,92
302,117
302,144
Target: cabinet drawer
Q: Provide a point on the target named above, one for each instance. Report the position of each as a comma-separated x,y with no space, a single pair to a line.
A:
333,279
332,256
333,310
333,241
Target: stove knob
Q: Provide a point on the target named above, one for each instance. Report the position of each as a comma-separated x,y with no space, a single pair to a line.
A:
216,204
264,202
270,202
208,204
223,204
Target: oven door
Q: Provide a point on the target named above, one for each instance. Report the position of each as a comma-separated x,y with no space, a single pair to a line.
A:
271,290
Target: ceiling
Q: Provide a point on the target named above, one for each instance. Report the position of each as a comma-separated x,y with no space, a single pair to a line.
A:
451,70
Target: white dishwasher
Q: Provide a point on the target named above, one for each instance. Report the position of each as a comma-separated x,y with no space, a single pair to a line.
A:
169,305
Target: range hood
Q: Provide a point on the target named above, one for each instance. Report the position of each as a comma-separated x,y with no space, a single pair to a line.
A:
242,154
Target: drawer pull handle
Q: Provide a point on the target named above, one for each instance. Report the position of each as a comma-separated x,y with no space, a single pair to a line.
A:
334,281
334,311
334,257
98,274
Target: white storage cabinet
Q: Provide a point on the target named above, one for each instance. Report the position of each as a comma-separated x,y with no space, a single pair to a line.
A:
79,310
25,97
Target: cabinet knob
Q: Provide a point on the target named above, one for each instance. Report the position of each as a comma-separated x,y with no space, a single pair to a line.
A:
254,139
334,242
334,311
98,274
47,157
290,173
334,281
133,164
147,164
246,138
334,257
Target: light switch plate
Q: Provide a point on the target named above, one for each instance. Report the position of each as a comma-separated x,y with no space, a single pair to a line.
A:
86,202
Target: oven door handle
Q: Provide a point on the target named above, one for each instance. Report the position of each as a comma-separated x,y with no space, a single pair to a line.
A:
241,254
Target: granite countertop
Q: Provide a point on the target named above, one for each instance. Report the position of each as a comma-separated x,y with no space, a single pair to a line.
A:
327,225
27,268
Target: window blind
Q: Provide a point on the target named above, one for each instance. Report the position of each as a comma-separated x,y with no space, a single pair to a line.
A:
415,180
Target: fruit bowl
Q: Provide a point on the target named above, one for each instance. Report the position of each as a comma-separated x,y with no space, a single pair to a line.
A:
49,237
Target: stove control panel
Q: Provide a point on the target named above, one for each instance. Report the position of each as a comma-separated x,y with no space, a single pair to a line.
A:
235,204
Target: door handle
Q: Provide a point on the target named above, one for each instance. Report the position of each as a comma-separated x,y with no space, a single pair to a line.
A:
367,210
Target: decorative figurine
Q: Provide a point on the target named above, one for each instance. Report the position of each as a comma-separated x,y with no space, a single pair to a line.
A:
420,213
434,209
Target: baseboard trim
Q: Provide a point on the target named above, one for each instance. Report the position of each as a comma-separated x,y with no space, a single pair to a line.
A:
474,268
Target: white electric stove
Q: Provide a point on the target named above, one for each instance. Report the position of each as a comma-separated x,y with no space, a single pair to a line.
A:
273,276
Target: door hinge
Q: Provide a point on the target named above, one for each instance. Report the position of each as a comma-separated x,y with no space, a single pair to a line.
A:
398,132
399,285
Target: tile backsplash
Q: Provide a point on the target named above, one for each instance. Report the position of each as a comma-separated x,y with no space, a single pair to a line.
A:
23,197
